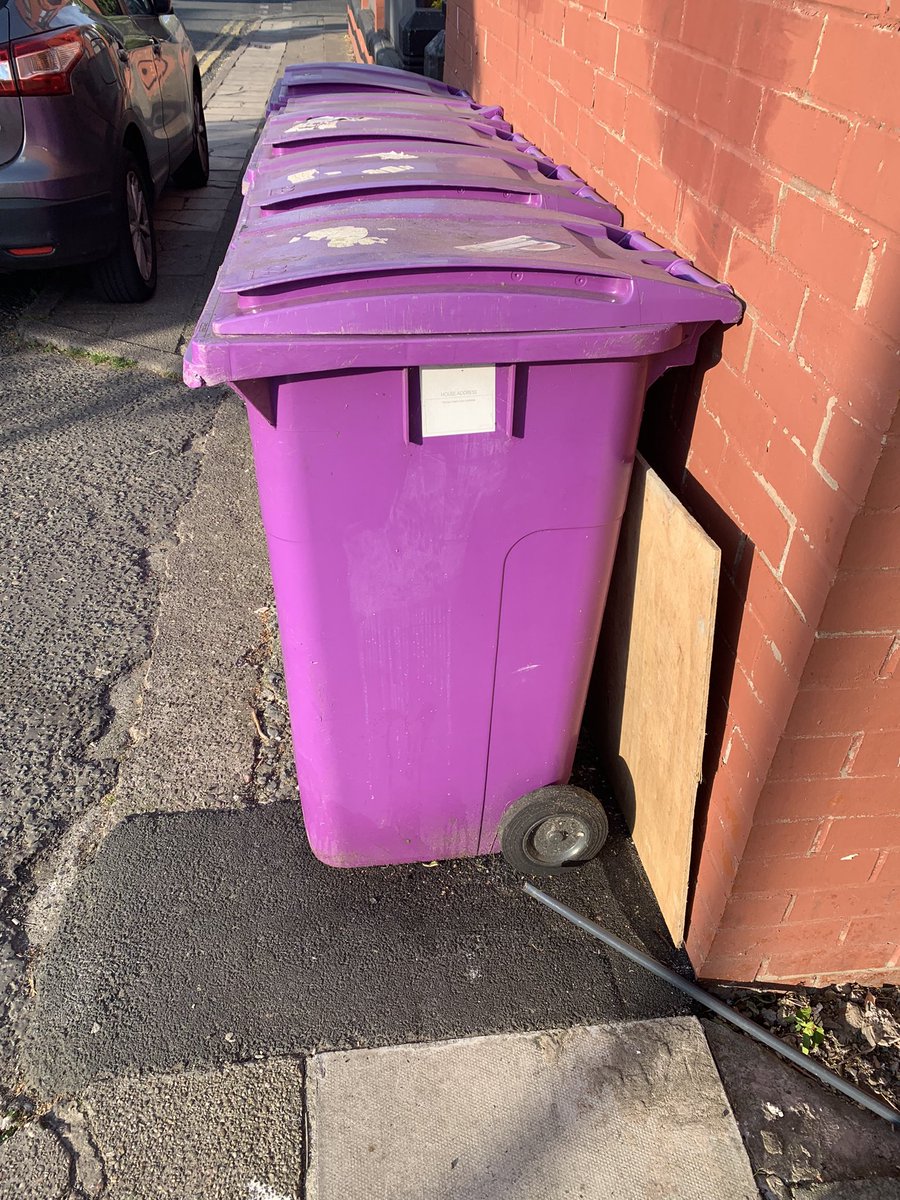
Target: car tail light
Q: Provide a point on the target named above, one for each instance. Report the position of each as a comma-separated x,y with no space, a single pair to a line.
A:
7,83
41,66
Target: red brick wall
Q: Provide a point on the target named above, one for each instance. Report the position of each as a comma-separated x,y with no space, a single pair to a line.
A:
760,140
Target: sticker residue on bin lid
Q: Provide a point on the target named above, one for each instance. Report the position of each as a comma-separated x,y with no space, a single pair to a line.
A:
522,241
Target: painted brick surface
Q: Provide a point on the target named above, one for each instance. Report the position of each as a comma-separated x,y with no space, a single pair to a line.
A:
760,139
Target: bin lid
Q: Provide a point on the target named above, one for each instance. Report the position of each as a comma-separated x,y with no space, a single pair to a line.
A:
362,76
385,104
301,132
367,168
412,267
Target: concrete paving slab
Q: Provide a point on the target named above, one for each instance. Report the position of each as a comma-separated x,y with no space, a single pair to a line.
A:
231,1134
632,1111
800,1135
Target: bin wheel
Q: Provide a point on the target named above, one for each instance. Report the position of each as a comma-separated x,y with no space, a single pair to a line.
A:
552,830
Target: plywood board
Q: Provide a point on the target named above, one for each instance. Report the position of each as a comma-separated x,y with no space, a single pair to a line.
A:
652,681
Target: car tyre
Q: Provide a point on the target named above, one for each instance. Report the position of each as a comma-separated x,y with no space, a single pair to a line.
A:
128,275
194,171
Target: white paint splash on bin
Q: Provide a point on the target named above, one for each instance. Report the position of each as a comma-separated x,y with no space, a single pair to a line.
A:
396,170
388,154
338,237
504,245
323,122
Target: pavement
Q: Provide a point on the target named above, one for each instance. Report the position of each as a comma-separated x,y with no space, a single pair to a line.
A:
193,1005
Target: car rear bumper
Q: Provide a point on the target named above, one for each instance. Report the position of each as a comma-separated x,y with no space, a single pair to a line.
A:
78,230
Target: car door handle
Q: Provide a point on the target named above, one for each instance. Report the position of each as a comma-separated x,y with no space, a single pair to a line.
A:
123,54
157,48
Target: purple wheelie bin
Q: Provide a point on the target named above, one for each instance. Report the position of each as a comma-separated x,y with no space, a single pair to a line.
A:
444,399
366,170
300,80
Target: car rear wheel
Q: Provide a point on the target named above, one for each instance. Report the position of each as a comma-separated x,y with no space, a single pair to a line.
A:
194,171
128,275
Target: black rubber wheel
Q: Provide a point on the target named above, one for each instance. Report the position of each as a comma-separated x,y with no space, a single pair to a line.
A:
128,275
194,171
552,830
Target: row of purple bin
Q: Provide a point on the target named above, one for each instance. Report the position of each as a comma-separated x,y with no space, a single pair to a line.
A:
444,342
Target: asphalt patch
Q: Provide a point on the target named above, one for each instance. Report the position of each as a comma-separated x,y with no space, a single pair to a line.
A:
206,937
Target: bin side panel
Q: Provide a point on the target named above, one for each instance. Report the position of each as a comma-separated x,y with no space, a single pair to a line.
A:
388,599
581,432
388,560
554,588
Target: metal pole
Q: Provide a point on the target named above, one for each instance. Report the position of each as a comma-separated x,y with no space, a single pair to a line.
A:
720,1009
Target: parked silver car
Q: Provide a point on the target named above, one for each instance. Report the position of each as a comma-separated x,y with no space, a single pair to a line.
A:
100,105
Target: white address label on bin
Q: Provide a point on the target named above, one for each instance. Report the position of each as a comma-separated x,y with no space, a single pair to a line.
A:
458,400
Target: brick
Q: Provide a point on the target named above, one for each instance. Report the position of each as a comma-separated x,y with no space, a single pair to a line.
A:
788,388
808,576
757,717
574,75
860,366
722,968
870,900
737,342
778,840
852,835
645,124
658,196
815,799
844,661
778,45
801,139
884,490
766,283
689,154
850,453
704,235
779,939
744,496
756,909
819,711
620,165
804,873
634,58
832,252
873,543
820,965
778,617
609,102
879,754
746,191
590,36
888,874
869,932
663,20
869,178
808,758
676,79
729,103
706,28
549,17
882,303
863,602
566,115
857,68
